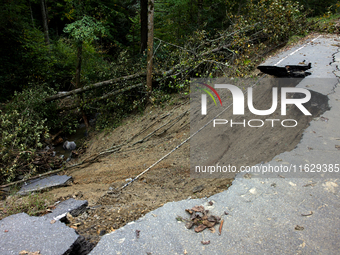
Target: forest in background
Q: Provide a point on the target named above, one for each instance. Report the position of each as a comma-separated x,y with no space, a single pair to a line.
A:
97,50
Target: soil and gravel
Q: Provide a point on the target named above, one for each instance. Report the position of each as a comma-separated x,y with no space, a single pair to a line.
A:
142,140
163,128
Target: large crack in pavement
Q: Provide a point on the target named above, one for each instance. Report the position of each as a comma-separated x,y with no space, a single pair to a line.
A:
266,215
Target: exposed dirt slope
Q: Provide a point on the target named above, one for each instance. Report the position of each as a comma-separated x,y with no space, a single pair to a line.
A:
150,137
143,140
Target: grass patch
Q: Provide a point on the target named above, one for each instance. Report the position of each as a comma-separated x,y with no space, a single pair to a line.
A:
329,23
294,39
34,204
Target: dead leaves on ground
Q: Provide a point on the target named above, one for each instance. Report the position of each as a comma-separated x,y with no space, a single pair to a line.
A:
200,218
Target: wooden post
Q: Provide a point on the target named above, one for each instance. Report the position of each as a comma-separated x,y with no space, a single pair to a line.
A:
150,45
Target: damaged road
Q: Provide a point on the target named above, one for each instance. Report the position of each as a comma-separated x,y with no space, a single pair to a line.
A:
274,213
257,213
21,233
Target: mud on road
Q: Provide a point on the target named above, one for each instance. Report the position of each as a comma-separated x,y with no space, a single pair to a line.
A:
144,139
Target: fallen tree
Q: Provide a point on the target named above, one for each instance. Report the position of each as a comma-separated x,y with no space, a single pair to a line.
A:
108,95
94,86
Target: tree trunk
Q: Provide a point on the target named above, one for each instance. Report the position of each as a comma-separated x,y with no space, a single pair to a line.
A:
31,14
143,25
94,86
78,71
150,45
79,59
199,14
45,25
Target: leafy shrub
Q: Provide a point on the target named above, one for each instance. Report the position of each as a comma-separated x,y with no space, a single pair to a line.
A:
23,128
20,136
329,22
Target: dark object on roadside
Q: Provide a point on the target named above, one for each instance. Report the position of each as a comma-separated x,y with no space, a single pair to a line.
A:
296,71
69,146
297,227
137,233
74,154
205,242
307,214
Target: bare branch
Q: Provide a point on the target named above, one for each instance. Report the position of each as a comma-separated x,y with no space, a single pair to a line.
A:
93,86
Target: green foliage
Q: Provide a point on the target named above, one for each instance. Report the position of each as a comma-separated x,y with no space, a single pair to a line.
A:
159,97
85,30
95,67
316,7
23,128
20,136
270,24
329,22
117,107
25,123
278,19
31,103
134,37
259,27
64,57
23,55
115,110
176,19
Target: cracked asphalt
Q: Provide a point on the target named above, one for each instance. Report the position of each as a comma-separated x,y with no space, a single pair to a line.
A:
267,213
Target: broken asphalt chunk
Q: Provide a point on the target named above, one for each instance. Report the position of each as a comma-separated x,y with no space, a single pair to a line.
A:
36,234
287,71
45,183
71,206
